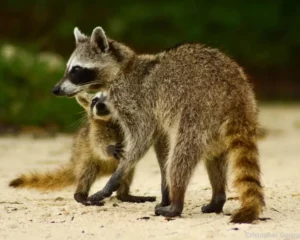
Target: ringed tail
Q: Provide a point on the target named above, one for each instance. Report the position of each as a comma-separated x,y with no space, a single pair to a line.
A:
243,154
52,180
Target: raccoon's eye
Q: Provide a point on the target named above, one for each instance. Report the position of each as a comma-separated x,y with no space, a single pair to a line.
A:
76,69
94,101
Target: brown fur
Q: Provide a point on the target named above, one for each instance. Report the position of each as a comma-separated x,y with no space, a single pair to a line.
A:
89,160
241,140
52,180
195,95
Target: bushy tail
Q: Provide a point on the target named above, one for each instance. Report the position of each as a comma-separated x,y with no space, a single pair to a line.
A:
53,180
243,155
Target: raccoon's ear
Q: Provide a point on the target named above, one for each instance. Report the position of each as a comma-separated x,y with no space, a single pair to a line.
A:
83,100
99,39
79,36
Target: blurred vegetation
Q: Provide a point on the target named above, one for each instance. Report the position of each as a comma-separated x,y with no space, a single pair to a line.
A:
37,38
25,87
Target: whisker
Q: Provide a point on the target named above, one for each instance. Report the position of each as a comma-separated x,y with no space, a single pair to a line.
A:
81,112
80,121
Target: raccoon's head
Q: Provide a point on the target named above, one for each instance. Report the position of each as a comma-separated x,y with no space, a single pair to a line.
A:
95,106
93,64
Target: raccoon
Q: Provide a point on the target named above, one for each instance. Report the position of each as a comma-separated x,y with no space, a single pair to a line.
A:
191,100
97,149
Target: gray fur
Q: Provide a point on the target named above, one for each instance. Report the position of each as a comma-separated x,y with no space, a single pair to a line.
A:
196,96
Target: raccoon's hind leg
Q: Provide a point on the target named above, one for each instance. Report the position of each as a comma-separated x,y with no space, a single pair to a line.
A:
217,172
123,191
183,160
161,148
87,173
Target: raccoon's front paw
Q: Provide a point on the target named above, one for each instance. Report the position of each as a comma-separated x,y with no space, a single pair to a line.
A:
168,211
99,196
212,208
216,204
115,150
83,199
80,197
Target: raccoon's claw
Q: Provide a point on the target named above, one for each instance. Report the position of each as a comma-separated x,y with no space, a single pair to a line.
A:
80,197
91,203
116,150
111,186
168,211
212,208
83,199
216,204
136,199
99,196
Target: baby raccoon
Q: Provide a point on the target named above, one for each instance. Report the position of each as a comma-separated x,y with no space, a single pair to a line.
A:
96,151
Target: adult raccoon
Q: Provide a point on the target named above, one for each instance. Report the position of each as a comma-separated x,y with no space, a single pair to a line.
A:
195,96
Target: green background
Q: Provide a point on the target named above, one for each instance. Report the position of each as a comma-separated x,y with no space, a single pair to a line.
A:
36,39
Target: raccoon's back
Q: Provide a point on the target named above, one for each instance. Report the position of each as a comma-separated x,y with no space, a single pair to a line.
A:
195,76
196,68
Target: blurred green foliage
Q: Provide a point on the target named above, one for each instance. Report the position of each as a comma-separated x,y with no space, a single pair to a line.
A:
25,90
263,36
256,32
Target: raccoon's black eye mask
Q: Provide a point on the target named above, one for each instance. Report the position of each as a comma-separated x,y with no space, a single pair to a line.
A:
76,69
94,101
79,75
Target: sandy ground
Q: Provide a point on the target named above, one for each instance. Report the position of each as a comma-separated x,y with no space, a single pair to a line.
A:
26,214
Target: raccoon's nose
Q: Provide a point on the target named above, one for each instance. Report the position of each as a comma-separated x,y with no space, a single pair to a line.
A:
56,90
100,106
102,109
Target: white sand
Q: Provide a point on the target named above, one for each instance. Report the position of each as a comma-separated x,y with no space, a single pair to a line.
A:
26,214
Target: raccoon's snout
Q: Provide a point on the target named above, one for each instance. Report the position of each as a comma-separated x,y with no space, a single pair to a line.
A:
99,107
56,90
102,109
59,90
